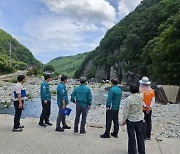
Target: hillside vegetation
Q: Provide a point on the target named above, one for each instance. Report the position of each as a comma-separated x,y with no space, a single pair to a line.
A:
21,56
67,65
147,42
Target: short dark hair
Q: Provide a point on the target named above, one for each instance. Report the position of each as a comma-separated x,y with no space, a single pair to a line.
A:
47,76
114,81
82,80
20,78
63,77
134,88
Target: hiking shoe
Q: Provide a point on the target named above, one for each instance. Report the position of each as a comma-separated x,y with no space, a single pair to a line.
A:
75,133
105,136
112,134
59,129
42,124
66,127
82,133
21,126
48,123
17,130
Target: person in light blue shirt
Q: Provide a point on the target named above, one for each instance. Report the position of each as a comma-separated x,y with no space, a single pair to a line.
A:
82,97
112,109
62,102
46,101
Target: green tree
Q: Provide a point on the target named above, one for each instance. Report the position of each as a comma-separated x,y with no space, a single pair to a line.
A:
49,68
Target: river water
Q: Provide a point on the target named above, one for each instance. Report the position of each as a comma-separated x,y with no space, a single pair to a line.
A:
33,108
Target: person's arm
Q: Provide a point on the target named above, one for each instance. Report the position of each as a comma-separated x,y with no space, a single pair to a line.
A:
73,94
20,101
44,93
109,99
144,104
126,109
63,95
152,102
18,92
89,99
64,104
48,93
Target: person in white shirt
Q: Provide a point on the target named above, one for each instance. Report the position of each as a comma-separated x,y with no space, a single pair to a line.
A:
19,95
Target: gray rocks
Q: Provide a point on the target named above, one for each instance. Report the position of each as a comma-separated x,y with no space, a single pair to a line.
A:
158,136
101,74
165,118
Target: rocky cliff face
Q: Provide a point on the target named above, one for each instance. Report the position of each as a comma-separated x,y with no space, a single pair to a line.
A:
118,70
87,68
101,74
144,43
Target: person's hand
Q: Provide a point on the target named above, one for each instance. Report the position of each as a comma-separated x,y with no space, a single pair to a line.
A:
108,108
45,102
89,107
20,105
64,107
123,123
148,110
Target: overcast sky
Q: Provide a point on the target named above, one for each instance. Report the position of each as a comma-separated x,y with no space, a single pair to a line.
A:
53,28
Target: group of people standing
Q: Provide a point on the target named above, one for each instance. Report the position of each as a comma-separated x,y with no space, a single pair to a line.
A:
81,96
136,113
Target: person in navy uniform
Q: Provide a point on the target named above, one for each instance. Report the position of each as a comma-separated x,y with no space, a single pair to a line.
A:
62,102
19,96
46,101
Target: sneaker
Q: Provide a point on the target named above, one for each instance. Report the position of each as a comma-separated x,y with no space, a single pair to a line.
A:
105,136
17,130
66,127
82,133
42,124
112,134
75,133
59,129
21,126
48,123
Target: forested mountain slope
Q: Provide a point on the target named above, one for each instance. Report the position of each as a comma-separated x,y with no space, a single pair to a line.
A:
21,56
67,65
145,42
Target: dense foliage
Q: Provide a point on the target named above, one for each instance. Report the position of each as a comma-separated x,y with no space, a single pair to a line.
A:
49,68
147,40
67,65
21,56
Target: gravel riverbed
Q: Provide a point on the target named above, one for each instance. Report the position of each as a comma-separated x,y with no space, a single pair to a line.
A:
166,118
